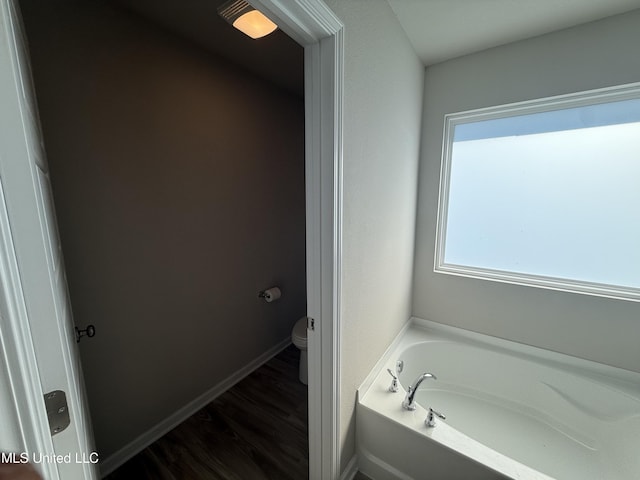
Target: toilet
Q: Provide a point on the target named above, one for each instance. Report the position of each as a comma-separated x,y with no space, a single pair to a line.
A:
299,339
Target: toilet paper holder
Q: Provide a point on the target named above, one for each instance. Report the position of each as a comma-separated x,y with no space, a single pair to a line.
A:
270,294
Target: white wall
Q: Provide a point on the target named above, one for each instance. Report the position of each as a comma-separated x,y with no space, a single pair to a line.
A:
10,440
382,105
590,56
179,188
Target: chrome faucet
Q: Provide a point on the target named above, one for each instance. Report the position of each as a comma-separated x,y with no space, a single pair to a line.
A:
408,402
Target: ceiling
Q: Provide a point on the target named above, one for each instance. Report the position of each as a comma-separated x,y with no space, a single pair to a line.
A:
276,57
438,29
443,29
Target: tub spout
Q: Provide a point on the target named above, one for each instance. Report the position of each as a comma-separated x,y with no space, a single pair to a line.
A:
408,402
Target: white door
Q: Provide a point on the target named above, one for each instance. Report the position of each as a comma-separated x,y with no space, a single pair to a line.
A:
36,330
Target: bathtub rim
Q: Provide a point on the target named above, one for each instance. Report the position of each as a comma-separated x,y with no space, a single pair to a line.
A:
625,380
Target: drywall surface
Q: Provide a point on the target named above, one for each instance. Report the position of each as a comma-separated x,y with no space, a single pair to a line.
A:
10,435
590,56
382,112
179,188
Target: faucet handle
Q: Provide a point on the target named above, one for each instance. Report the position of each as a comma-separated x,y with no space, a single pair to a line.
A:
431,420
394,383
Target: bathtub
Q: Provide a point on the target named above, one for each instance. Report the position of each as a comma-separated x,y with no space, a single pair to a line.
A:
512,411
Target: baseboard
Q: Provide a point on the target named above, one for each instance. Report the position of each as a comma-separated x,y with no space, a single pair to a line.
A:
143,441
351,469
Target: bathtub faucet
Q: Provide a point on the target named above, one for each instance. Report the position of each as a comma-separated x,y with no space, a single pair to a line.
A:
408,402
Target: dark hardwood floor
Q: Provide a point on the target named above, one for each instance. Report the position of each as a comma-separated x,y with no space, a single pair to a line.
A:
255,431
361,476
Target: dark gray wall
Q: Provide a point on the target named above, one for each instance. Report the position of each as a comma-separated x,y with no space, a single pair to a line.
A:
590,56
179,188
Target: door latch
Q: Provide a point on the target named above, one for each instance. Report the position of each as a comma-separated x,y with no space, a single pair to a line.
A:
57,411
311,323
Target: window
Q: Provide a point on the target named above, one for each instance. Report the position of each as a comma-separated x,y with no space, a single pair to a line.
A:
545,193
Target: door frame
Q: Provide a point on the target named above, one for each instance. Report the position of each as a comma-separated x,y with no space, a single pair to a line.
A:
314,26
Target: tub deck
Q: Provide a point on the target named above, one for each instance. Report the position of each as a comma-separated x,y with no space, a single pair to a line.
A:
513,411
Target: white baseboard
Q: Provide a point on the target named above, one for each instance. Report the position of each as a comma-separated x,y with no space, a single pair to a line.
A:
143,441
351,469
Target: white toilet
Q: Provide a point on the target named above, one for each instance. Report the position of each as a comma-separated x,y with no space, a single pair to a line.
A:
299,339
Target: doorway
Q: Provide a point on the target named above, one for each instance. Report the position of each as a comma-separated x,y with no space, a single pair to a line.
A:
179,186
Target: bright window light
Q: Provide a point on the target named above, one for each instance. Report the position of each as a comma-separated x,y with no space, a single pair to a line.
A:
545,193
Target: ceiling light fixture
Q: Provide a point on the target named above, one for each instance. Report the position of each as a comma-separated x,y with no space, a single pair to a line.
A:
247,19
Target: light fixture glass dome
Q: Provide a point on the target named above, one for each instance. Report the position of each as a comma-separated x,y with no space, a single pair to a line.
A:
255,24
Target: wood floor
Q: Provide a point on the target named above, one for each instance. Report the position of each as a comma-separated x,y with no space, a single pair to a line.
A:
255,431
361,476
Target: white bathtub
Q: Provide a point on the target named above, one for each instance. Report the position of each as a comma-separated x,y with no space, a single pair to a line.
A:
512,411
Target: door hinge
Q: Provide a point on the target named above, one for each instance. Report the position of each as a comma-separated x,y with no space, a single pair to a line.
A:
57,411
311,323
